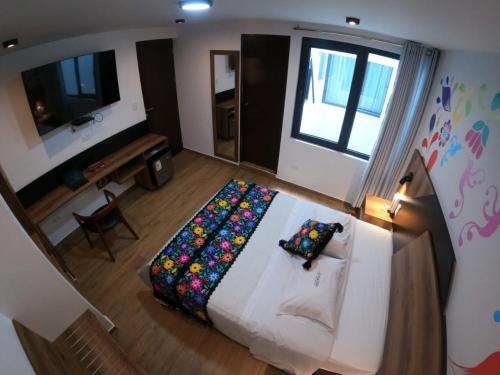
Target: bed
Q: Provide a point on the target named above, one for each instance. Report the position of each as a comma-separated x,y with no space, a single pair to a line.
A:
243,304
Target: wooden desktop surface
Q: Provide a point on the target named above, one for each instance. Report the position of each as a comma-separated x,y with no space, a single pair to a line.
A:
61,195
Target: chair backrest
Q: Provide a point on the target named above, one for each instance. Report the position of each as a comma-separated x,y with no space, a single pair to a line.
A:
103,212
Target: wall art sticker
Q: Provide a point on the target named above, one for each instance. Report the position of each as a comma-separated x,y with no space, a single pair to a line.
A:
445,98
454,98
471,178
463,106
490,366
477,138
491,215
491,111
454,148
496,316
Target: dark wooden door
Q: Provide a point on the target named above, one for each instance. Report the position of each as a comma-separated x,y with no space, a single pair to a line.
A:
264,68
156,68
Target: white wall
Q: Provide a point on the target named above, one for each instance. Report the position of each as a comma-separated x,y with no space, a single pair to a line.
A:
472,329
224,77
32,291
25,156
329,172
13,359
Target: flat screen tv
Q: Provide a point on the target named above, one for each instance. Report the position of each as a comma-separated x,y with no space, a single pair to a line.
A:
66,90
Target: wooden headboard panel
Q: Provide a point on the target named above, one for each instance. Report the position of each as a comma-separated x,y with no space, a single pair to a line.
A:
420,212
415,337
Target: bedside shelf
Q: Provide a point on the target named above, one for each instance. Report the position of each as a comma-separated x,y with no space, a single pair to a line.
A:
374,211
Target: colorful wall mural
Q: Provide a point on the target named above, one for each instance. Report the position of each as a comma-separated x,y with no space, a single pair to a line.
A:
460,141
453,109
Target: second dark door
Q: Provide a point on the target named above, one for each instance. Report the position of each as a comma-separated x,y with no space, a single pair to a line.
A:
264,69
156,68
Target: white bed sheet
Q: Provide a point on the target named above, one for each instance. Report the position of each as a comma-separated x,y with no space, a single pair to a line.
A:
244,304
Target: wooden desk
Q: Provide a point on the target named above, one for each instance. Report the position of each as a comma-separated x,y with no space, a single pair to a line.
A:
374,211
120,165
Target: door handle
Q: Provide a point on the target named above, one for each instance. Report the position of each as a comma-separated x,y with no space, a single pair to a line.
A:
150,109
245,104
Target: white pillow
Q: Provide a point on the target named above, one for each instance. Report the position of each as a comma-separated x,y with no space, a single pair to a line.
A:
338,247
314,294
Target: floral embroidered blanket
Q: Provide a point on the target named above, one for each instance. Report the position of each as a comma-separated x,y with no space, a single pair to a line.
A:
187,271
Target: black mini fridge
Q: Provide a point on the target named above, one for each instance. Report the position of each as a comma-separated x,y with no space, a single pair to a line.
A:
159,168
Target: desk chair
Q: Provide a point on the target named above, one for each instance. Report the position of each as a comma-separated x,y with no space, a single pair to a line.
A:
102,220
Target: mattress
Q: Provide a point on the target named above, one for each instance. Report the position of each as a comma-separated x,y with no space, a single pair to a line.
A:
244,304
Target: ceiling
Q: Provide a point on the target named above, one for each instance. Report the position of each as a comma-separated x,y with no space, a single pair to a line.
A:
446,24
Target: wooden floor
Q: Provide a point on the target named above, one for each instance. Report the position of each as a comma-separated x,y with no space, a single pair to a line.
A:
160,340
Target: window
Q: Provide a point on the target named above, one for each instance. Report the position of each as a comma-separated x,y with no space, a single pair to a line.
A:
342,95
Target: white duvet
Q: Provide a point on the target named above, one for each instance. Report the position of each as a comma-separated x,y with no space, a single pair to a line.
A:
244,305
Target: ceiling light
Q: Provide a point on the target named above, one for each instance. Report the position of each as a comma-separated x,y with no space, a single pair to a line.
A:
195,4
353,21
180,20
10,43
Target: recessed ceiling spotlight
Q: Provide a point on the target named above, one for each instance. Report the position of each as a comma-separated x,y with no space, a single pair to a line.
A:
353,21
10,43
196,4
180,20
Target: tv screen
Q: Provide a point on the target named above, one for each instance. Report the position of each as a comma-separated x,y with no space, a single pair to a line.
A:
63,91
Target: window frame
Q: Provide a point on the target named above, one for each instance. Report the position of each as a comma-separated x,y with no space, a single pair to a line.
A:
361,53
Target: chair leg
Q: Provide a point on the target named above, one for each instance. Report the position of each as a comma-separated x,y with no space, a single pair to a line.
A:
129,227
87,236
108,249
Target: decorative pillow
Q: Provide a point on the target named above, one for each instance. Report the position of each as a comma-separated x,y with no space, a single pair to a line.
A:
315,294
310,240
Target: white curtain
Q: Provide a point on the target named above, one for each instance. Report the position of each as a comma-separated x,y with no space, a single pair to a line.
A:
416,72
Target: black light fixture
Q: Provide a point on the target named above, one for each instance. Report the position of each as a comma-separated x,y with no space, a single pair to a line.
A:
406,178
195,5
180,20
353,21
10,43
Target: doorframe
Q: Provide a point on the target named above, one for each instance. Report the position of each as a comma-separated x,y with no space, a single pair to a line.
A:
237,142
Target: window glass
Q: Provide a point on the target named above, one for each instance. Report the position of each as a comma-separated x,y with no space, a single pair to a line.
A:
320,118
378,86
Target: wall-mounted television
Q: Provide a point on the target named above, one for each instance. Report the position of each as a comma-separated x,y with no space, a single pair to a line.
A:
66,90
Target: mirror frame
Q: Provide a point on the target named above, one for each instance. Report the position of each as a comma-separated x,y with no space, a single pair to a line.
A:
236,55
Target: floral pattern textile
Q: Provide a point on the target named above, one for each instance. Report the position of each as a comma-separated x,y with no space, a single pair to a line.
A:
310,240
208,268
179,253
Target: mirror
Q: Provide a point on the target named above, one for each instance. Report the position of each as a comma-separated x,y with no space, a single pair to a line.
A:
225,73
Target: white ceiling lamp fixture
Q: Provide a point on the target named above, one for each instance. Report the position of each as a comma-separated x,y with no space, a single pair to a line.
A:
195,5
